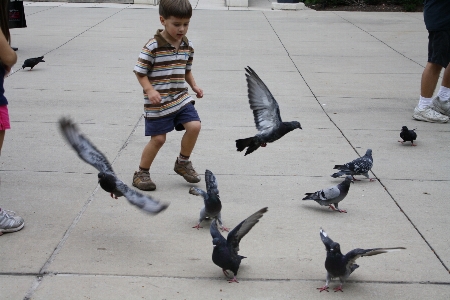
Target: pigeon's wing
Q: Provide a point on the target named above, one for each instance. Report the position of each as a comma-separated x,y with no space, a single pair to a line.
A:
360,165
215,233
353,255
142,201
265,108
235,235
326,239
211,183
198,192
85,149
330,193
413,134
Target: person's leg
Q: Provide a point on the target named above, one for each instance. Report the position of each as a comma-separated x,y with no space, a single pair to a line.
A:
430,77
190,137
2,137
141,178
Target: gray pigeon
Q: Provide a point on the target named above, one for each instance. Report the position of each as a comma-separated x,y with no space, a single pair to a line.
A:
359,166
266,114
31,62
211,198
331,195
107,179
225,253
408,135
339,265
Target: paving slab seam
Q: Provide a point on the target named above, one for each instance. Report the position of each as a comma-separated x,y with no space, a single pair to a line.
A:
61,243
50,7
384,43
349,142
81,33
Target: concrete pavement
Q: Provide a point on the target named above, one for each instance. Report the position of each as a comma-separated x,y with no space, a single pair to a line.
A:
350,78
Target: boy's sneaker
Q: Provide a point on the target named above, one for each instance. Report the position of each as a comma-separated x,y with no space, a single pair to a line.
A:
441,106
9,222
427,114
142,181
187,171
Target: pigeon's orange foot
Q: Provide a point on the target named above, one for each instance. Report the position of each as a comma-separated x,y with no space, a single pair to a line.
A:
324,288
225,229
114,196
197,226
233,280
263,144
225,272
341,210
339,288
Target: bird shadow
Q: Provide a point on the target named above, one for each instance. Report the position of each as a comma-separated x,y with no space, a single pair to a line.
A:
320,209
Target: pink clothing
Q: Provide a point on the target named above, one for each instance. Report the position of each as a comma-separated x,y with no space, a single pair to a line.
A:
4,118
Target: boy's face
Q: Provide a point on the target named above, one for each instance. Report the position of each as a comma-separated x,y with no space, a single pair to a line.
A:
175,28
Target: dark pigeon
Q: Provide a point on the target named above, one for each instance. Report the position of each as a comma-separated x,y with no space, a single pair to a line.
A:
225,253
332,195
338,265
31,62
408,135
107,179
266,114
359,166
211,198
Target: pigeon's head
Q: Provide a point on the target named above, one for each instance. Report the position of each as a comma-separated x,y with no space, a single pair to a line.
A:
349,179
216,242
335,248
404,128
369,152
296,124
101,175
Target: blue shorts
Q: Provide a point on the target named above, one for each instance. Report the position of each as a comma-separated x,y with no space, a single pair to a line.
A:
439,47
166,124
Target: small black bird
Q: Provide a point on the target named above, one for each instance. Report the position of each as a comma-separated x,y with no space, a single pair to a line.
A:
408,135
332,195
338,265
107,179
359,166
225,253
211,199
31,62
266,114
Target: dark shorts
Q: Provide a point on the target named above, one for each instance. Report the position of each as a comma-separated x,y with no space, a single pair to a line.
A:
166,124
439,47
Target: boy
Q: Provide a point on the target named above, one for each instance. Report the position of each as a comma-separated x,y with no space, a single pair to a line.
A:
163,66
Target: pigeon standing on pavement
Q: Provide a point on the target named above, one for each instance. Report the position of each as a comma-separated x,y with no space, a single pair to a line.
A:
107,179
332,195
408,135
31,62
225,253
339,265
359,166
266,114
211,198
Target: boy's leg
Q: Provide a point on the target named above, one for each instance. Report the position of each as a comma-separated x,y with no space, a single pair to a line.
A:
441,103
183,165
430,77
141,178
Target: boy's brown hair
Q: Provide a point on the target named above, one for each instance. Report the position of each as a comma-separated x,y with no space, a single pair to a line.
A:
175,8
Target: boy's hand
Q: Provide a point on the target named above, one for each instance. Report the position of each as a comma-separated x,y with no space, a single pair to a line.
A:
154,96
198,91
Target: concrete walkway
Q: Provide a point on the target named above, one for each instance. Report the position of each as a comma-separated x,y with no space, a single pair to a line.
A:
351,79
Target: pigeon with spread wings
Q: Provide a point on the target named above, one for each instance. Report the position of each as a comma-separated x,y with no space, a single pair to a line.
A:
266,114
339,265
106,177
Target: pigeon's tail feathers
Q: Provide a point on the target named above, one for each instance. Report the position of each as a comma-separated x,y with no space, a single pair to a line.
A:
338,174
251,143
338,167
309,196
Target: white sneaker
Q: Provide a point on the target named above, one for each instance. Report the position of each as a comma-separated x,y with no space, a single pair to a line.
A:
441,106
427,114
9,222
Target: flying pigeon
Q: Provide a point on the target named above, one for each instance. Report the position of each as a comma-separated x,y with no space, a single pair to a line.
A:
266,114
408,135
331,195
359,166
225,253
338,265
107,179
211,199
31,62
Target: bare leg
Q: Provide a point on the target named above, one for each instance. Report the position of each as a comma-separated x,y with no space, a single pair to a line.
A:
151,149
2,137
190,137
430,77
446,79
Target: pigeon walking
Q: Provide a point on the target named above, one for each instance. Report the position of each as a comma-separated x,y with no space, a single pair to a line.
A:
225,253
359,166
338,265
31,62
332,195
211,198
107,179
266,114
408,135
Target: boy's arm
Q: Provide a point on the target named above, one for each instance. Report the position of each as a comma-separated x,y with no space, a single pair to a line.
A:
152,94
191,81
